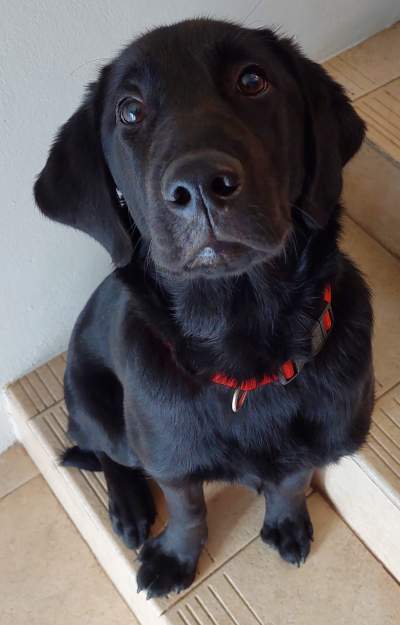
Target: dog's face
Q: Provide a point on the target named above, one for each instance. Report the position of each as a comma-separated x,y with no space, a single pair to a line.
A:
204,135
212,133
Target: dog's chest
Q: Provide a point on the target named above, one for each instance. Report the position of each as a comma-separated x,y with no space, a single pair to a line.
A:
203,437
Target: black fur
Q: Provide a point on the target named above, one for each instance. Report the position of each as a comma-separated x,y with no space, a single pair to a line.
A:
143,350
80,458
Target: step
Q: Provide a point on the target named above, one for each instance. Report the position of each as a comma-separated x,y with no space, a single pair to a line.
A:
240,581
372,195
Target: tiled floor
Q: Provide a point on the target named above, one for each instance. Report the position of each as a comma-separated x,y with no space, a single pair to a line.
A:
48,575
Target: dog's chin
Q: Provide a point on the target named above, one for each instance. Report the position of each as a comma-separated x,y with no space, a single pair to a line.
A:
219,260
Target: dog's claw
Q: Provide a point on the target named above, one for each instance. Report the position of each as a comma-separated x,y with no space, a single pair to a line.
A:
291,537
162,573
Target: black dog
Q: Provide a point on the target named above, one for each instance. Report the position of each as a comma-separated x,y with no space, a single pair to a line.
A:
207,160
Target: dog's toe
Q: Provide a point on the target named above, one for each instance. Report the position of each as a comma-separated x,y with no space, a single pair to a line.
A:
291,537
161,573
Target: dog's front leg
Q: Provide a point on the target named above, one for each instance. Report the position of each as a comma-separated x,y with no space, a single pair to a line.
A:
169,560
287,526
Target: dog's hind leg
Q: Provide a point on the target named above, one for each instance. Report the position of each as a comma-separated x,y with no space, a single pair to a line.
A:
131,505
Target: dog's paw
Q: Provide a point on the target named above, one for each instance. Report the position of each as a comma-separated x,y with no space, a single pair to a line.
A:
161,573
292,537
131,519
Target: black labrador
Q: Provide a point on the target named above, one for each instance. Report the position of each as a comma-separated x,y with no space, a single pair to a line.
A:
233,340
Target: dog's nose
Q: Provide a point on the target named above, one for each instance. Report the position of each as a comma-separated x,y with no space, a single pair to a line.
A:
210,176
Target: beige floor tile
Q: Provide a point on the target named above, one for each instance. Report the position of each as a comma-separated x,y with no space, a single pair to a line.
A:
368,65
372,195
382,271
381,111
235,516
16,468
48,575
340,584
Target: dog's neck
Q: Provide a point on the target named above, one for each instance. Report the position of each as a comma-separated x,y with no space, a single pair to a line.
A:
251,324
206,310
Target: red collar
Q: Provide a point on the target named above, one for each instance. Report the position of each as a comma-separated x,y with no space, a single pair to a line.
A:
291,368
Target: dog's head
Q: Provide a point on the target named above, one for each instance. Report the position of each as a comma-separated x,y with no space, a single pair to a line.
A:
213,133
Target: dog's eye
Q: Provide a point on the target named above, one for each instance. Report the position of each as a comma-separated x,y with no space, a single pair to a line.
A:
131,111
252,81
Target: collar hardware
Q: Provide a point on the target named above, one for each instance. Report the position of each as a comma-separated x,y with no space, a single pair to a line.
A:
238,399
290,369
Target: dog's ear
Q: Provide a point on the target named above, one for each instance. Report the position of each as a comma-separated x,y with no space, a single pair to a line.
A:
334,131
76,187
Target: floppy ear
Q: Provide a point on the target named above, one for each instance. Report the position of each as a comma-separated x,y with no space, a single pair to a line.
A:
76,187
334,132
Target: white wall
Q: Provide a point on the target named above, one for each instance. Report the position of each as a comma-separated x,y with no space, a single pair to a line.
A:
50,49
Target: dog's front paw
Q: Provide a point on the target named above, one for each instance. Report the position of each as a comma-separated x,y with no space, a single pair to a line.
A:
162,573
291,536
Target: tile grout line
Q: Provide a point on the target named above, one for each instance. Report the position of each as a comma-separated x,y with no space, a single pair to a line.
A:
376,100
382,152
41,413
388,415
375,115
183,617
375,125
193,614
243,599
21,485
394,442
205,609
31,392
50,392
355,68
391,388
377,442
223,604
396,258
376,88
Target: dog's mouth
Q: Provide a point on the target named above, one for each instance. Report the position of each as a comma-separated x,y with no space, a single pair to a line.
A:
213,254
218,258
216,254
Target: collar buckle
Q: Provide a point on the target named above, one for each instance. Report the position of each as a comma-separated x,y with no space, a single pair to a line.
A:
321,329
285,377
